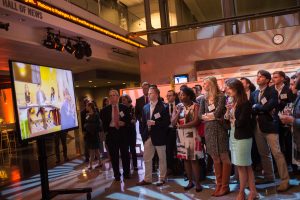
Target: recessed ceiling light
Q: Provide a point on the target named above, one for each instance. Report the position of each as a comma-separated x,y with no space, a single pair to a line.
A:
123,83
108,82
77,85
95,86
90,81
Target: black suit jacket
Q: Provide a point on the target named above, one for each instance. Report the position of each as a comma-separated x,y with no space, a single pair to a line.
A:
106,113
286,96
296,115
158,132
243,121
264,112
139,105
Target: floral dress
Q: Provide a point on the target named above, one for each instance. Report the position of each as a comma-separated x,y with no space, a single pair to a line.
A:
189,146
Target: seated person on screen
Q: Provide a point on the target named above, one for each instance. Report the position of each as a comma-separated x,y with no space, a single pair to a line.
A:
67,111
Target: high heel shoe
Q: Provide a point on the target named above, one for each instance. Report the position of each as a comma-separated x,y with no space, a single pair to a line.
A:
199,189
189,186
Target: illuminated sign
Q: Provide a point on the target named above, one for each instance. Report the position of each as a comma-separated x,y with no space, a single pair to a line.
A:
78,20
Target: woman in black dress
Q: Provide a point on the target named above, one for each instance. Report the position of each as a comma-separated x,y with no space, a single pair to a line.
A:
93,126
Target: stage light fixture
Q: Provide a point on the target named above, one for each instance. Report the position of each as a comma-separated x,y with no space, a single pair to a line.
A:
4,26
79,52
58,45
69,47
87,49
49,42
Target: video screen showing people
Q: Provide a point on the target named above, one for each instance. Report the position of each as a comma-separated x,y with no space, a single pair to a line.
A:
45,99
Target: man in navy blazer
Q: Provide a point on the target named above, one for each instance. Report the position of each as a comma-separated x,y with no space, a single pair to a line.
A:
116,118
285,96
171,133
155,123
265,102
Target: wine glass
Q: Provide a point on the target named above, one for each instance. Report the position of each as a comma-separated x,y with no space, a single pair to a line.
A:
288,110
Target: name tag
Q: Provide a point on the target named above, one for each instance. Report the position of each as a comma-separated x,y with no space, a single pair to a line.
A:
283,96
211,107
156,115
263,101
121,114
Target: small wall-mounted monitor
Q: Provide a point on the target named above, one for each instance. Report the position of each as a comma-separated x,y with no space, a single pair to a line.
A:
181,78
44,99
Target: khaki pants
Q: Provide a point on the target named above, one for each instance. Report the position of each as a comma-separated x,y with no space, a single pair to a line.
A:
149,151
267,143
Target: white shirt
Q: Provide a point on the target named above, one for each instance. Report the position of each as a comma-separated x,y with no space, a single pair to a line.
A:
170,107
152,107
279,89
261,91
112,123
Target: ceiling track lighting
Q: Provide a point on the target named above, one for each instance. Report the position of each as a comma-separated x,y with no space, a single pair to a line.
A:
80,49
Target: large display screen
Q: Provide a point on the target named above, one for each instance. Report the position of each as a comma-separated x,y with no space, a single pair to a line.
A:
44,99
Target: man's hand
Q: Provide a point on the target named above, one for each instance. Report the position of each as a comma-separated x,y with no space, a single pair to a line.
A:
121,123
150,123
286,119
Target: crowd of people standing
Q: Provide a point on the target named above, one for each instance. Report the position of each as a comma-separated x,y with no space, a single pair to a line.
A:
242,127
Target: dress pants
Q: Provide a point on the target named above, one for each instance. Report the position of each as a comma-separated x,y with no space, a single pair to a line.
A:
132,145
171,147
285,139
63,138
267,143
116,141
149,150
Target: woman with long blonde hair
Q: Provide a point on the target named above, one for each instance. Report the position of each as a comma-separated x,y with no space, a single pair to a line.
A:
212,110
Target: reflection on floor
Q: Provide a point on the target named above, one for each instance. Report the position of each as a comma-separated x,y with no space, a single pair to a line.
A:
75,174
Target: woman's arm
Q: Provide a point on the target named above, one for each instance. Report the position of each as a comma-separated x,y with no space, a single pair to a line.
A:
195,121
175,117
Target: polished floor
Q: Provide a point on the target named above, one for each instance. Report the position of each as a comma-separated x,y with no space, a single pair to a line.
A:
19,179
75,174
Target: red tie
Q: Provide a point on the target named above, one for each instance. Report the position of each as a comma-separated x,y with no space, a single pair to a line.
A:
146,100
116,117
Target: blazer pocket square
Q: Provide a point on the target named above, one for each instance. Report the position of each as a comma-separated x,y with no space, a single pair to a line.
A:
156,115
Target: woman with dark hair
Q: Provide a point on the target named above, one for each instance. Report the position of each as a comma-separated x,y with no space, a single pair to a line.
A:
105,102
126,100
212,110
189,147
241,133
93,126
248,86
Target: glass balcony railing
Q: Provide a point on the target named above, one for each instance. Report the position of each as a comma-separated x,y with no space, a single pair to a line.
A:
114,12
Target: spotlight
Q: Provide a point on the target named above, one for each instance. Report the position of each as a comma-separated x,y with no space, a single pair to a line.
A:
87,49
69,47
49,42
4,26
58,45
79,52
